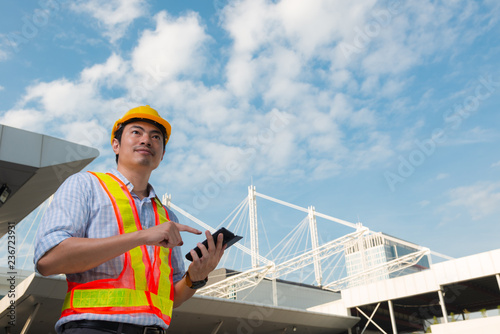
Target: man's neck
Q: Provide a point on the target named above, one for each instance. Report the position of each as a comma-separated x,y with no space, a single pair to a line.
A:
138,178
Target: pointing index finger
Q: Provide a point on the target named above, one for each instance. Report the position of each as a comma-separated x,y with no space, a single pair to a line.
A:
186,228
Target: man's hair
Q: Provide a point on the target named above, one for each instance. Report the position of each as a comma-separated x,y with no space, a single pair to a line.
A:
119,132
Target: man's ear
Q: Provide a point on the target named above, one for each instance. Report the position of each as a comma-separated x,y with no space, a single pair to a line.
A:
116,146
163,154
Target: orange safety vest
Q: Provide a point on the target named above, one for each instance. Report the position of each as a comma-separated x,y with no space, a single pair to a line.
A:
142,286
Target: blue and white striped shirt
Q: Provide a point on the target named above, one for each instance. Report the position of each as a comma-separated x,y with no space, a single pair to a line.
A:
82,209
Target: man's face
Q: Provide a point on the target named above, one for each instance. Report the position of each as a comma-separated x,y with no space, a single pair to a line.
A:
141,146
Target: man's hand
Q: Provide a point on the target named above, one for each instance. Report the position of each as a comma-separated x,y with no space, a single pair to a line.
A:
201,267
166,234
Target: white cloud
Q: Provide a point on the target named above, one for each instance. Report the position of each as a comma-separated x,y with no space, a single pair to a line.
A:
494,10
479,200
71,108
375,149
391,40
416,31
197,109
424,203
175,47
4,47
2,87
62,98
27,119
274,42
442,176
275,54
324,169
241,71
313,27
284,84
277,47
111,73
407,141
89,133
3,55
310,28
285,60
249,23
115,16
496,164
393,87
340,107
363,118
341,78
474,136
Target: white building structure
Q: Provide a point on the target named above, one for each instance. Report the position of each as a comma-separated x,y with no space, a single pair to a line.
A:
451,293
373,251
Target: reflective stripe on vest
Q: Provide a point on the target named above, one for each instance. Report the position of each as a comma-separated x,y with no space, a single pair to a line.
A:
142,286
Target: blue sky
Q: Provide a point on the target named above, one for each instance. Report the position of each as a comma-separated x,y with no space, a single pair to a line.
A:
384,112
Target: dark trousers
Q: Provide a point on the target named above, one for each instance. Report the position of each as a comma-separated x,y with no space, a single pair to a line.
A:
85,331
98,327
77,330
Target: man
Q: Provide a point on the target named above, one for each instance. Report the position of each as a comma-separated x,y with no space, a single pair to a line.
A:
117,244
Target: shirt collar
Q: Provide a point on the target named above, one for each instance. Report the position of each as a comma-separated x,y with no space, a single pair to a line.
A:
129,184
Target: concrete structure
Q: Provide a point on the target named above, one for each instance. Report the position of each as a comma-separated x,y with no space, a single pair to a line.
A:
32,166
409,303
482,325
278,292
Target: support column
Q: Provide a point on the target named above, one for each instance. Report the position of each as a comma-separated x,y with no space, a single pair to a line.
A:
313,228
275,292
498,280
31,317
254,233
217,327
349,313
443,306
393,319
370,319
166,200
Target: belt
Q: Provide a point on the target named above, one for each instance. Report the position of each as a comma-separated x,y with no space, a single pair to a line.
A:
114,327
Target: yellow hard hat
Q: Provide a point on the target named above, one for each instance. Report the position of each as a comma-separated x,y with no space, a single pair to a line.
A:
146,113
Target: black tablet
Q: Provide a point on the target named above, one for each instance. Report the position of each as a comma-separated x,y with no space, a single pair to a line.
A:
229,239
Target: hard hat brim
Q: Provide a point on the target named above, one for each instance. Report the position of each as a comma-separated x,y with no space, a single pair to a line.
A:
139,115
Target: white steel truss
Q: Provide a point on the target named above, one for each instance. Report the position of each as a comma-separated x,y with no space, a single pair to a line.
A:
253,276
233,284
296,207
265,268
378,271
169,204
324,251
254,232
313,228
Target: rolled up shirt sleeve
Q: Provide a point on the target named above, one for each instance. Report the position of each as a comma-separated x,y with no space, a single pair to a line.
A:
65,217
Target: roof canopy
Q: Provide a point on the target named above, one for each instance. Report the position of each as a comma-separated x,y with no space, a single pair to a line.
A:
33,166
